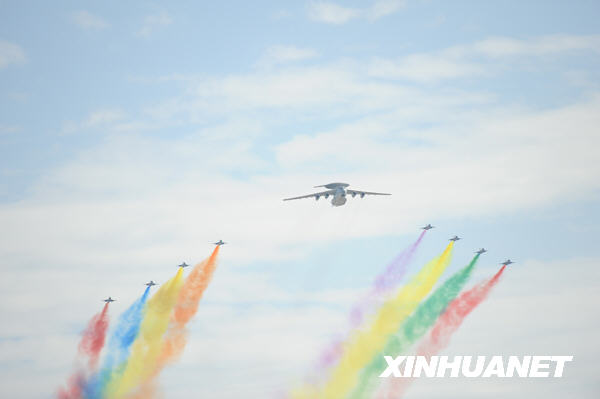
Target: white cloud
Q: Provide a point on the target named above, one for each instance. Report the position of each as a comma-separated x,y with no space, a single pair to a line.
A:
103,117
502,46
154,22
281,14
512,154
150,189
478,58
383,8
425,68
333,13
10,53
9,129
329,91
285,54
86,20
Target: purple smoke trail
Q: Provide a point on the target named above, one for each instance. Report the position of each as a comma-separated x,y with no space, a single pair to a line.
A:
384,283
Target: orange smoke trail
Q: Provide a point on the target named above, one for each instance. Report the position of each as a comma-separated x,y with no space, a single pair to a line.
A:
175,338
187,306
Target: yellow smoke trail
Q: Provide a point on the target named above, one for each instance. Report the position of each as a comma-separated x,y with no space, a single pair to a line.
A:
364,344
148,345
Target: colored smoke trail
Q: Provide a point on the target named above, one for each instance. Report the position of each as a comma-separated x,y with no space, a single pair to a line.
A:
91,344
446,326
186,307
117,350
386,281
74,387
414,328
383,284
365,344
146,348
456,313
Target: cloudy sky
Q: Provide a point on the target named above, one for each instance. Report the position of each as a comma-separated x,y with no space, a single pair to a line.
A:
133,134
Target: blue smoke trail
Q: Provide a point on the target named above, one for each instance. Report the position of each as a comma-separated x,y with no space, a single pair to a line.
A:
117,350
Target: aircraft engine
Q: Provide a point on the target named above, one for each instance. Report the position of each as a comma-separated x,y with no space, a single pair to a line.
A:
362,195
353,195
326,196
317,197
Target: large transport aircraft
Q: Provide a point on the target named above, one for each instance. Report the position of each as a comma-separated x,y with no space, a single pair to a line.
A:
338,192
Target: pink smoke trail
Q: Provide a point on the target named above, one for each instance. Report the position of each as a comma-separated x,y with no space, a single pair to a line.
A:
91,344
447,324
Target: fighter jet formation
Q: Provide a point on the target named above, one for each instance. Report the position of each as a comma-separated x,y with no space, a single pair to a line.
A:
338,192
152,283
480,251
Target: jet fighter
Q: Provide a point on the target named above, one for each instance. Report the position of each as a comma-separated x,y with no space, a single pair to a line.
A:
338,191
150,284
507,262
108,300
428,227
220,242
183,265
455,238
482,250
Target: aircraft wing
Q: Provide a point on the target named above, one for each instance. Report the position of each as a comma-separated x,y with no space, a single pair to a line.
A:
356,192
321,194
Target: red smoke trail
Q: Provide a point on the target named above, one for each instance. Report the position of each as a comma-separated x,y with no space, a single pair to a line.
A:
93,338
91,344
444,328
73,388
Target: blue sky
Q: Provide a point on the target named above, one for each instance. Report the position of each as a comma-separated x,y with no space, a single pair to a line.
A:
133,135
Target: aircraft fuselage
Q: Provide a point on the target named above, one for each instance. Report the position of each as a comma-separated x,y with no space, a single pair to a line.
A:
339,198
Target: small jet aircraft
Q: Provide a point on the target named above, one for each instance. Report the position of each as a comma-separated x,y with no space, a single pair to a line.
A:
109,300
220,242
428,227
455,238
183,265
338,191
507,262
482,250
150,284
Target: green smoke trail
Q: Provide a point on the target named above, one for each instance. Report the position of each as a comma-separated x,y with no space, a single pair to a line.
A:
413,328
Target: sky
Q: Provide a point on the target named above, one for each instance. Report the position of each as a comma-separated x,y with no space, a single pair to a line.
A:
135,134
